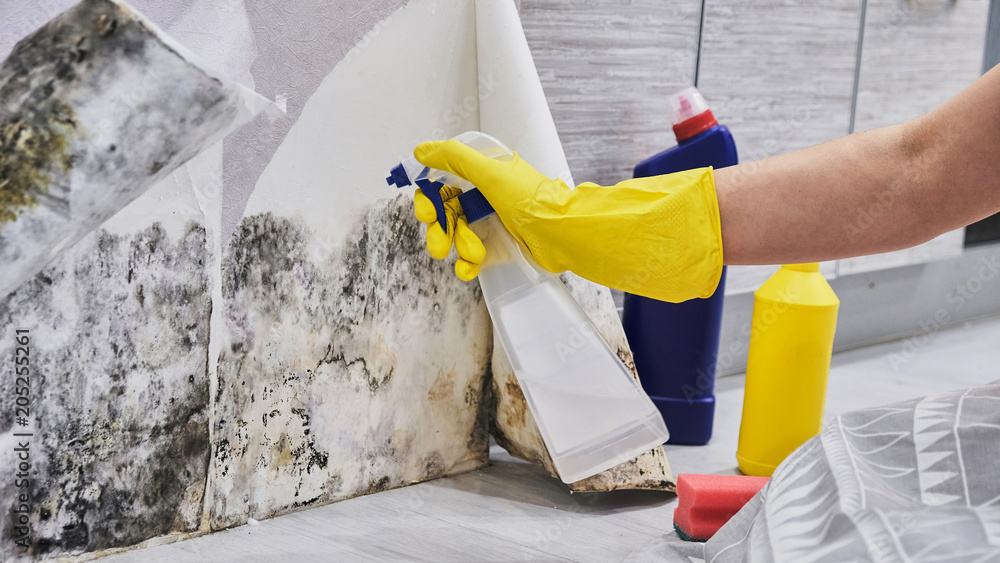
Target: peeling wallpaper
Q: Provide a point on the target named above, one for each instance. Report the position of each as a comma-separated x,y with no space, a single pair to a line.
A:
297,44
504,57
120,364
120,329
331,378
351,361
97,107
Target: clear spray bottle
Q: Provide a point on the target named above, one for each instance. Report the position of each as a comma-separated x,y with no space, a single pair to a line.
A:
591,412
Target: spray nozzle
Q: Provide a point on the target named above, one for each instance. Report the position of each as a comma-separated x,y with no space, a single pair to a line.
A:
430,181
400,176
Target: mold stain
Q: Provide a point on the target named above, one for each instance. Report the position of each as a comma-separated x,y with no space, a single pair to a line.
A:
342,321
63,71
443,388
35,139
124,451
283,453
34,153
518,406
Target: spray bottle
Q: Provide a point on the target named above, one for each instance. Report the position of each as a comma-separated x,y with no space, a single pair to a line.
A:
676,344
591,412
791,341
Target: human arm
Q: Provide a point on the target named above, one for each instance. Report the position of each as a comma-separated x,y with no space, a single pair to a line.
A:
660,237
869,192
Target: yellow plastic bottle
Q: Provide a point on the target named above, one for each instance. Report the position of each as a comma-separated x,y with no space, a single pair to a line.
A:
791,341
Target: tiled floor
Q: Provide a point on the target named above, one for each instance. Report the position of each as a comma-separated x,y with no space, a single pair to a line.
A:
512,511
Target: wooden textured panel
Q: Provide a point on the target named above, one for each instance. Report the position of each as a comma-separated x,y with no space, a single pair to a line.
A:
607,69
916,56
779,74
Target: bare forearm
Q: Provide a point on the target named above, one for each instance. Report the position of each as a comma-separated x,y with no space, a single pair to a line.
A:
870,192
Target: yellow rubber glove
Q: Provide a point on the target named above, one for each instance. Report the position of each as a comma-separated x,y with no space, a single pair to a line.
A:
659,237
470,249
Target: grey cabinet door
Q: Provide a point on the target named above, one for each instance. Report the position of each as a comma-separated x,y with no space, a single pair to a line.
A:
916,55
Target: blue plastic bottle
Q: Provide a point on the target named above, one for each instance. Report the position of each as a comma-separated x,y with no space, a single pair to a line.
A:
676,344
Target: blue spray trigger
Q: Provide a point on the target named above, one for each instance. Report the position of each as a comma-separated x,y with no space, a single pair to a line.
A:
398,177
433,192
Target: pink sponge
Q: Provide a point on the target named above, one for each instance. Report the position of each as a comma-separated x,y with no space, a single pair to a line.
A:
706,502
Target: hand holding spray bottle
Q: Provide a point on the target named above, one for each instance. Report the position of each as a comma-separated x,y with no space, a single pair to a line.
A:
591,412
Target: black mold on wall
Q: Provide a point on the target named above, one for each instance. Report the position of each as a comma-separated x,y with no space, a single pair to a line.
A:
378,276
119,348
52,69
33,151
